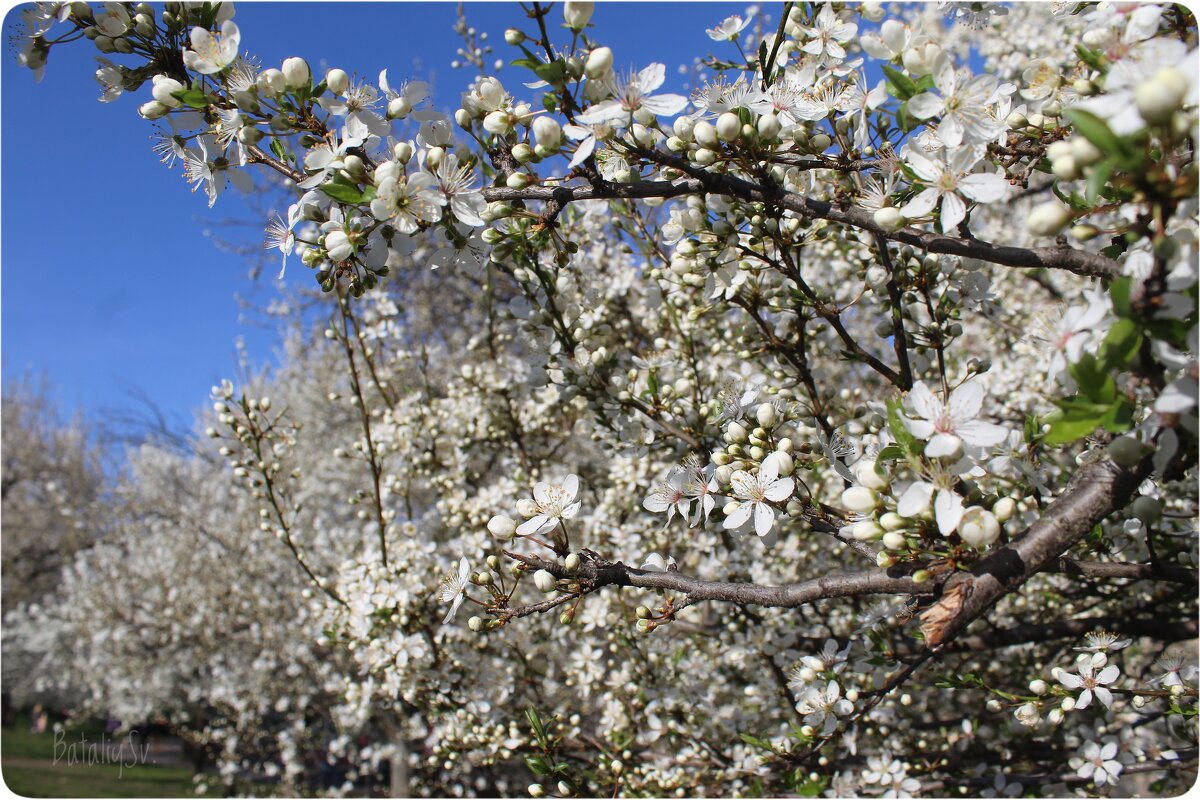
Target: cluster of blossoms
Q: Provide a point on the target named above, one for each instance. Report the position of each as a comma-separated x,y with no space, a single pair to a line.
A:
791,302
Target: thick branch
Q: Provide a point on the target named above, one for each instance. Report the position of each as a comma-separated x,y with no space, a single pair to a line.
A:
598,574
1171,573
1096,491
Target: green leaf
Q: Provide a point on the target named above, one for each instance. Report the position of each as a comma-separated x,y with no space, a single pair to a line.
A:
1096,131
903,85
904,437
1119,418
531,63
1098,179
194,97
344,192
1119,291
537,765
279,149
890,453
1121,344
552,73
1033,429
1076,419
1093,379
1093,58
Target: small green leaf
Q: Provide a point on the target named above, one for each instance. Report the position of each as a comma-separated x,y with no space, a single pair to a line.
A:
903,85
1119,291
343,192
890,453
904,437
1096,131
279,149
193,98
1093,58
1093,379
552,73
1119,418
1098,179
1121,344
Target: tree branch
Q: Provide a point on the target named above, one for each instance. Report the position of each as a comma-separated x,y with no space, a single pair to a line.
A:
1094,492
597,574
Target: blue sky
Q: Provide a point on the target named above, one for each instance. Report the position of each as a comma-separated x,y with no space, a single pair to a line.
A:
107,280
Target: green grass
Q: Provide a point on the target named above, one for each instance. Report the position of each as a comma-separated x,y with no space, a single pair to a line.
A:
27,761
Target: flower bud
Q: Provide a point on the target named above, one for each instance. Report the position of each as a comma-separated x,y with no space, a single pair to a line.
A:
1004,509
497,122
890,219
337,81
514,36
859,499
1125,450
526,507
729,126
577,13
736,432
866,530
872,10
270,82
548,132
1161,95
295,72
544,581
398,108
536,790
1038,686
705,135
1147,509
475,624
1048,218
867,473
769,126
978,528
893,540
572,562
599,62
153,110
162,89
502,527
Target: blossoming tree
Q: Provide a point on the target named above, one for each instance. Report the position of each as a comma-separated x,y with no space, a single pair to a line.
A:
903,292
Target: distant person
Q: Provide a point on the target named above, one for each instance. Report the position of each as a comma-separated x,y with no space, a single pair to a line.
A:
40,719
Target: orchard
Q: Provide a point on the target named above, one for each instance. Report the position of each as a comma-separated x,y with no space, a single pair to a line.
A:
830,430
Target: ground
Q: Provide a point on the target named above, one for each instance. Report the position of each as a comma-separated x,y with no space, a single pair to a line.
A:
28,763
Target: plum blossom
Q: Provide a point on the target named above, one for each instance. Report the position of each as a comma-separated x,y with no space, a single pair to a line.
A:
1091,682
632,98
457,186
454,588
962,103
209,54
821,708
948,177
827,35
754,492
949,425
670,495
553,502
1100,764
729,28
